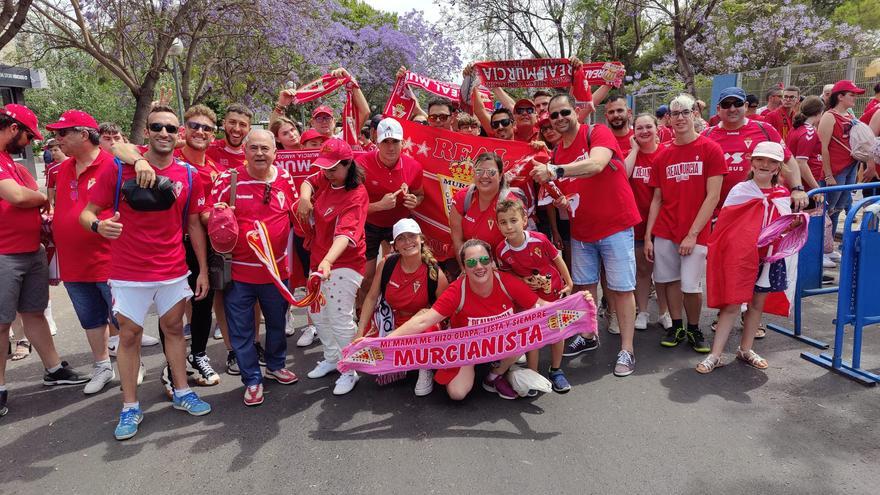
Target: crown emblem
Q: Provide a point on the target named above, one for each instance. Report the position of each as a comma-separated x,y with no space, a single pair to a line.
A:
462,171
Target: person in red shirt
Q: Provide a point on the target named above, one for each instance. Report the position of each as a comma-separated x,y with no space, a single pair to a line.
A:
406,292
639,166
664,131
619,118
482,295
872,106
838,166
603,213
338,251
533,258
23,265
781,118
774,101
686,178
228,153
264,193
51,169
155,236
286,134
111,134
803,141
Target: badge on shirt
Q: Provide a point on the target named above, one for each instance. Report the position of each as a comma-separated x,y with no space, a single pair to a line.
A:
491,223
748,142
537,252
280,196
416,285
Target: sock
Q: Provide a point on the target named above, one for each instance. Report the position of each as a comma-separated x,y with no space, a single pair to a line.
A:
130,405
54,368
693,327
181,392
552,369
677,323
492,376
114,340
2,388
103,364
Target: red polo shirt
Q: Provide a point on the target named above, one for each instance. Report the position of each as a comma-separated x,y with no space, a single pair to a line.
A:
380,180
20,227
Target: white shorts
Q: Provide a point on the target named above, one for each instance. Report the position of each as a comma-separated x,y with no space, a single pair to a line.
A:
134,299
669,266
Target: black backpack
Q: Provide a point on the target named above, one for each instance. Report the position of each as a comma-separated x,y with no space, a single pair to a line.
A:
388,268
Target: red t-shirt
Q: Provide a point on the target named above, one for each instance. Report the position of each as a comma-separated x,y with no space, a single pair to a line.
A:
380,180
623,142
781,121
840,154
805,145
337,213
71,239
253,203
870,110
407,293
536,253
603,204
714,120
665,133
52,175
150,248
477,309
682,172
20,227
225,157
643,193
208,172
737,146
477,223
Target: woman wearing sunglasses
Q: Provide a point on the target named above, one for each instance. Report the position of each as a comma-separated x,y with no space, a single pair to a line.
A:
472,215
483,294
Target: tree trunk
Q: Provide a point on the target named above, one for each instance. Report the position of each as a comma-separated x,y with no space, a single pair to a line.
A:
143,102
684,65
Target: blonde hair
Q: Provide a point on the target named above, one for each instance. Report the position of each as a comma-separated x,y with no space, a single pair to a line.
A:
683,101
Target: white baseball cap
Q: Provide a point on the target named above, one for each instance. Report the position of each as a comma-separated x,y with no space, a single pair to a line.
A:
769,149
406,225
389,129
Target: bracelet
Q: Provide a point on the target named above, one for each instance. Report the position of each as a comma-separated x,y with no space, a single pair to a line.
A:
279,109
798,188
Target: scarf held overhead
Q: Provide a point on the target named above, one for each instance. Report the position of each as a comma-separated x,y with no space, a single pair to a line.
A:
401,103
324,86
492,341
546,73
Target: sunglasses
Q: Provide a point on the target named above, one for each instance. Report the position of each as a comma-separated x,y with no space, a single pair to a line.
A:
423,122
734,103
500,123
563,113
157,127
683,113
200,127
525,110
65,131
472,262
488,172
439,117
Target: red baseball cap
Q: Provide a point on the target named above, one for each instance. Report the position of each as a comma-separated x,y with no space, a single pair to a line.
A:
846,85
523,102
25,116
543,119
332,152
322,109
312,134
223,230
74,118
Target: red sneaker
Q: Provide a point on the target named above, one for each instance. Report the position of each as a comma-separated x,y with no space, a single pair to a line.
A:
283,376
253,395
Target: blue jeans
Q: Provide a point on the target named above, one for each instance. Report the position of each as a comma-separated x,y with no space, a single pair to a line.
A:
92,303
840,201
239,300
617,256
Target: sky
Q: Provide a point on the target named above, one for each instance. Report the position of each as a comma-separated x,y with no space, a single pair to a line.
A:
426,6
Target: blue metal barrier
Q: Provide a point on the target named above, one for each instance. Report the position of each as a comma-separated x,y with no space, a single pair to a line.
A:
809,268
858,303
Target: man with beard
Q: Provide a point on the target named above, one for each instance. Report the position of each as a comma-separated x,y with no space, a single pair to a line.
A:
227,153
783,117
23,266
619,118
153,234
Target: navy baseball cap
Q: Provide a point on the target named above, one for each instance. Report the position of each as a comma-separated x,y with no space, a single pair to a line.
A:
732,92
662,110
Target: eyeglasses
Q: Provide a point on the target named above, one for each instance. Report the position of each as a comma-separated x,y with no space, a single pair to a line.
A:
323,118
157,127
439,117
488,172
731,103
200,127
472,262
789,97
468,126
267,193
500,123
564,113
525,110
683,113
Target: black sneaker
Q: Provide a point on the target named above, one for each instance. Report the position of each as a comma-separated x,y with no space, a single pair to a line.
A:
3,409
200,365
232,364
166,382
697,341
63,376
580,344
673,337
261,354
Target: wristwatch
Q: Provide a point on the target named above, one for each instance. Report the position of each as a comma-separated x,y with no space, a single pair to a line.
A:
556,170
95,226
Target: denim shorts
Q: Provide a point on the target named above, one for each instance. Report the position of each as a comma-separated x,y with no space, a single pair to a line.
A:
618,258
91,302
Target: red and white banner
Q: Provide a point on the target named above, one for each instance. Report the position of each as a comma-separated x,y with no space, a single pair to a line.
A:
546,73
324,86
401,102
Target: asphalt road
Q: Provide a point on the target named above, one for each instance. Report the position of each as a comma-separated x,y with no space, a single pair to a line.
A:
666,429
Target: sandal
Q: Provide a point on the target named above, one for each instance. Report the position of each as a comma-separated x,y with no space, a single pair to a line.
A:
708,364
752,359
22,350
761,332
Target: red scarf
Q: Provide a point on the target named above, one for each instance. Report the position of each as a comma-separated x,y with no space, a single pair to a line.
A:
325,85
546,73
401,102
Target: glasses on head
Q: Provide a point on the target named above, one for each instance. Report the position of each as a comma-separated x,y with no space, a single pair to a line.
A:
157,127
472,262
525,110
488,172
563,113
680,113
731,103
200,127
267,193
500,123
439,117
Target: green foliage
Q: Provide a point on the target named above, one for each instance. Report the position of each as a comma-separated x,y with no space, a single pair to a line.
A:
864,13
361,15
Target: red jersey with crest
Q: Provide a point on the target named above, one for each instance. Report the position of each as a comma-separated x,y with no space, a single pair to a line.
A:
407,293
338,213
381,180
478,309
639,181
20,227
805,145
536,253
225,157
208,171
477,223
781,120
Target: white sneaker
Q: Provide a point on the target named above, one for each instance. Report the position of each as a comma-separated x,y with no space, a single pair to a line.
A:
101,377
147,340
520,360
827,262
642,320
345,383
309,333
218,335
613,327
425,383
289,327
835,256
322,369
665,321
141,373
113,346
